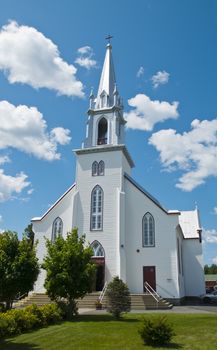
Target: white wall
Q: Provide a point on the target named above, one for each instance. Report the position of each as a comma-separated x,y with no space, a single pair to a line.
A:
43,229
111,184
193,267
163,256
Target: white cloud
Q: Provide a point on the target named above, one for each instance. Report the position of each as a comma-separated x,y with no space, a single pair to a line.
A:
194,152
140,72
85,59
147,112
210,236
160,78
27,56
30,191
214,260
60,135
25,129
4,159
1,218
215,210
11,184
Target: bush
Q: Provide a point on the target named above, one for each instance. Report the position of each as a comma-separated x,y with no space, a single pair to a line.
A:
68,310
156,331
118,297
22,320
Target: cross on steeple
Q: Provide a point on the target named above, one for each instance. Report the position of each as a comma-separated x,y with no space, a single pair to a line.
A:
109,37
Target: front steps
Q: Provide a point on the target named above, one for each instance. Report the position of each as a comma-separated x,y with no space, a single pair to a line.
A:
138,301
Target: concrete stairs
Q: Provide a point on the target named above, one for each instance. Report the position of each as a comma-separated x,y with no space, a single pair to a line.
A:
138,301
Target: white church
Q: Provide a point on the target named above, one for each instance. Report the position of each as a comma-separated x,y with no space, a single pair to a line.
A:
131,233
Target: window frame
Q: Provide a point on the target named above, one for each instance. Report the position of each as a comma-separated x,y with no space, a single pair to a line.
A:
99,247
97,213
103,168
148,245
96,164
57,234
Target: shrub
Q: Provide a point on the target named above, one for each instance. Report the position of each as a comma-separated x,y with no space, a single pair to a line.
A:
68,309
21,320
118,297
52,313
156,331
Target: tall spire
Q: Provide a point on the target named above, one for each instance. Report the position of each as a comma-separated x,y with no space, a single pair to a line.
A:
107,81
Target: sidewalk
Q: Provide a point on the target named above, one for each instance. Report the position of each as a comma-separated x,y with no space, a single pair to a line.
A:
186,309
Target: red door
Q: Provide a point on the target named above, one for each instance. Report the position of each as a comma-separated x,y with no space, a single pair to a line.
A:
149,276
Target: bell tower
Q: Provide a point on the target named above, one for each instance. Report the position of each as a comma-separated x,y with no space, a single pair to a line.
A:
105,124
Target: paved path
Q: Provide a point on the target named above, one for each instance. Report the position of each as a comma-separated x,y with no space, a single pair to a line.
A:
187,309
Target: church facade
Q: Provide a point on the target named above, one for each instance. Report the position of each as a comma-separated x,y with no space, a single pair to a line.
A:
132,235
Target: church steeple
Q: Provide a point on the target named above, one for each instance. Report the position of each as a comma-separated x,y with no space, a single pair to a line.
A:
107,83
105,125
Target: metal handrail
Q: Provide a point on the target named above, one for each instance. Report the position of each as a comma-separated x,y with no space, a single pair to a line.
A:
19,297
102,294
153,293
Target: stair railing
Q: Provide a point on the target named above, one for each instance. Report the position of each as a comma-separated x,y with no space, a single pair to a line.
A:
102,294
153,293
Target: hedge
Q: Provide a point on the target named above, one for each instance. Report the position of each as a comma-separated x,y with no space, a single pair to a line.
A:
22,320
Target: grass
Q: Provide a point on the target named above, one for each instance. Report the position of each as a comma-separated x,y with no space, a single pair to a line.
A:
194,332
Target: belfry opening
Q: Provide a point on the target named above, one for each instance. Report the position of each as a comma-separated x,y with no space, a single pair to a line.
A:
102,132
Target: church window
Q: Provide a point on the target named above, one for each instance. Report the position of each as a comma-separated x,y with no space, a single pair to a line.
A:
148,231
102,132
101,168
57,229
96,208
95,168
98,250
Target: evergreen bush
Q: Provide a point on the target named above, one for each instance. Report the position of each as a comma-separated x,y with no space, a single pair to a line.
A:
156,331
118,297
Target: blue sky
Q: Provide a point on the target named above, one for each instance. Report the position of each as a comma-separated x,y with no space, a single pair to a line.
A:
165,61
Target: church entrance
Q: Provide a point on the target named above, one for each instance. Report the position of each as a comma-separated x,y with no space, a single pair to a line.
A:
100,274
149,276
99,260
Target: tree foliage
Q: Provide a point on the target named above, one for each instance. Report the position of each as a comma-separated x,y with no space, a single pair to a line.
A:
19,267
70,272
118,297
210,270
29,234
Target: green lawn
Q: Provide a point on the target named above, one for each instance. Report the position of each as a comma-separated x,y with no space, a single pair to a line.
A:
102,332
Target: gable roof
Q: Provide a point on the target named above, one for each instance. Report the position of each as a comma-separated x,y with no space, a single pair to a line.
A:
190,223
58,200
147,194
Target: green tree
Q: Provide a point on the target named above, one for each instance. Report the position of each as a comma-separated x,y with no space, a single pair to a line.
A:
210,270
29,234
19,267
70,271
118,297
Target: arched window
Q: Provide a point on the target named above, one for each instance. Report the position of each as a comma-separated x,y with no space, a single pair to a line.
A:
98,250
95,168
57,229
101,168
148,230
102,132
96,208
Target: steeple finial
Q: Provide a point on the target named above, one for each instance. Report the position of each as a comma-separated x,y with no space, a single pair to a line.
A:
109,37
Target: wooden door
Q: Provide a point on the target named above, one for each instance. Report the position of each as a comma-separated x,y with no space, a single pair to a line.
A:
149,276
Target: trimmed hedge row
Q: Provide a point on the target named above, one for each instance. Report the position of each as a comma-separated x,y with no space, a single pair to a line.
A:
22,320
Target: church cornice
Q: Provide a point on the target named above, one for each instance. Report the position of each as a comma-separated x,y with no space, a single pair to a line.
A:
104,110
108,148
